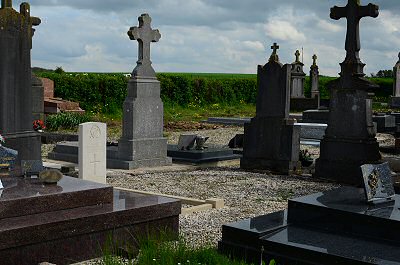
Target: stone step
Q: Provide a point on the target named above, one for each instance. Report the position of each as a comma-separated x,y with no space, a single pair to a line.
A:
25,196
321,247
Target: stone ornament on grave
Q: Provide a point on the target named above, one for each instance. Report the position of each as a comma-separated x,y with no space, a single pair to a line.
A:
350,140
92,151
142,143
378,182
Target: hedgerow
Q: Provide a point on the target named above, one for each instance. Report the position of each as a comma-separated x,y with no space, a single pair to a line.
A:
105,93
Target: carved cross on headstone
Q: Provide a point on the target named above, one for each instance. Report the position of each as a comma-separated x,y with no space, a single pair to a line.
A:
297,54
274,56
353,12
144,34
314,60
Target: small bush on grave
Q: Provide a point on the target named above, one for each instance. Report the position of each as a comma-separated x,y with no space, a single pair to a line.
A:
66,120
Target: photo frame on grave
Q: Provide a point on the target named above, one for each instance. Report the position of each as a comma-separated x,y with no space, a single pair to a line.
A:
378,183
31,167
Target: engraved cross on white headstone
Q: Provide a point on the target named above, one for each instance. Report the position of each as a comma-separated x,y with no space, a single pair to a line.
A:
144,34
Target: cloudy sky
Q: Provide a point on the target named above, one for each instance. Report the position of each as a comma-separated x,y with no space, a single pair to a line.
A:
221,36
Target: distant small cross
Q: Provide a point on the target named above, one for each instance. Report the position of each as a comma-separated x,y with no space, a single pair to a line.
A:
274,56
144,34
353,12
6,3
297,54
314,59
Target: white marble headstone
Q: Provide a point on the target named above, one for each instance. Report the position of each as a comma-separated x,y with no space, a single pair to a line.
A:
92,151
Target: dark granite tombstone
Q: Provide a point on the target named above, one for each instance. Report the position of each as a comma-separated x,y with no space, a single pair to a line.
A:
395,99
271,140
15,75
350,140
37,98
314,78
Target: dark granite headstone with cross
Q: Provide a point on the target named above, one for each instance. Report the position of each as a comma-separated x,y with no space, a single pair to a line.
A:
271,140
298,78
15,74
314,76
142,142
350,140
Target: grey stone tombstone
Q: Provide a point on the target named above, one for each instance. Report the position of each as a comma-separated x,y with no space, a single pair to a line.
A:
186,141
297,78
16,85
271,140
314,76
350,140
395,99
142,140
37,98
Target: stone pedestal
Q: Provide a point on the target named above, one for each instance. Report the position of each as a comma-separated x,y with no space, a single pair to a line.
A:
16,84
332,227
271,140
395,102
37,98
142,139
350,140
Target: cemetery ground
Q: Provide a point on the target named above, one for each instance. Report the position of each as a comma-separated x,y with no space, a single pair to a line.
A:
246,193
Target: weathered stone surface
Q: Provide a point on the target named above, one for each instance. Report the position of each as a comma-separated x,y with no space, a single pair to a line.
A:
15,75
396,83
48,85
142,138
378,183
50,176
271,140
350,137
314,76
92,151
297,78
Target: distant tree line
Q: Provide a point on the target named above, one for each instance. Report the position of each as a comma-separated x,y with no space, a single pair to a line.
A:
383,73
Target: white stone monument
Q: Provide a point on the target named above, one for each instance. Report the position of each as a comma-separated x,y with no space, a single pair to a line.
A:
395,100
92,151
314,76
297,78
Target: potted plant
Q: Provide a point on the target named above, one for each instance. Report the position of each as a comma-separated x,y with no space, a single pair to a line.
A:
305,158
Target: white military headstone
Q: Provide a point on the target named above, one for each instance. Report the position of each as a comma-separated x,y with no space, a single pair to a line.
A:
92,151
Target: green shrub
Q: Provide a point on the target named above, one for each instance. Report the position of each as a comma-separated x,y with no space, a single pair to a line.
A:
66,120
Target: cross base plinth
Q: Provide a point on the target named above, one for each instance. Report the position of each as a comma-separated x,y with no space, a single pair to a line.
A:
341,160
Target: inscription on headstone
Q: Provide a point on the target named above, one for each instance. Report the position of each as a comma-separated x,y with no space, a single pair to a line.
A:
92,151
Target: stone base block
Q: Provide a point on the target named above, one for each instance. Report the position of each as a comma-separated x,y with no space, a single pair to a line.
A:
300,104
28,144
341,160
284,167
395,102
315,116
201,156
68,152
61,233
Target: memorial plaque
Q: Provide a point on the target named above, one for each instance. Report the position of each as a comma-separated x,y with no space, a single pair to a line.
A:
31,167
378,184
186,141
7,158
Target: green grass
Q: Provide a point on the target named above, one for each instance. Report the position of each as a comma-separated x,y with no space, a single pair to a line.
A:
174,113
156,251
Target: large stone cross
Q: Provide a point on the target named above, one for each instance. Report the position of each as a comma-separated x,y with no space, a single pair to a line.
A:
144,34
274,56
353,12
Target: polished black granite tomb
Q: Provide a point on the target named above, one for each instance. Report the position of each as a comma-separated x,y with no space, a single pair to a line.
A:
332,227
70,221
207,155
